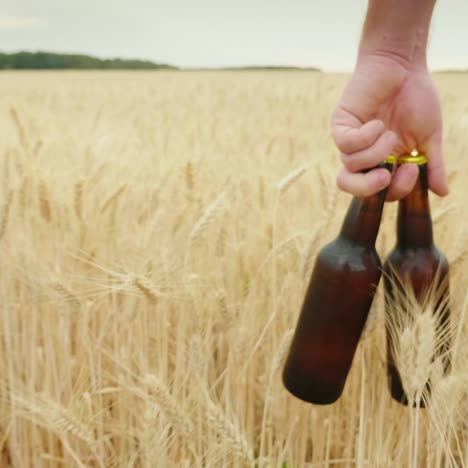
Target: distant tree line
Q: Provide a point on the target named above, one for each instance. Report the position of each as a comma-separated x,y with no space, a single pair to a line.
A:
52,61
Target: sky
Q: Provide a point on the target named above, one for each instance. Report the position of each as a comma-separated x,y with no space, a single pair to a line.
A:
198,33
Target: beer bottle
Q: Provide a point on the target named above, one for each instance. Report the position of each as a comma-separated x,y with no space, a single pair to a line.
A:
414,263
336,305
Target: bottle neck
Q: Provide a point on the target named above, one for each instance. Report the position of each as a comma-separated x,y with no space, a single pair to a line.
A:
362,220
414,226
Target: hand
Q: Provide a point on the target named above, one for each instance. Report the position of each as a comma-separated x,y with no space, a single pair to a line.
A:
388,107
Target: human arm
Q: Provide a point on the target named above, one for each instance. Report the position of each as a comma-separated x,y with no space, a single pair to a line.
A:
391,103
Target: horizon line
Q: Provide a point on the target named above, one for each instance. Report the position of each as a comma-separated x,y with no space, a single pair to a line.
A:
245,66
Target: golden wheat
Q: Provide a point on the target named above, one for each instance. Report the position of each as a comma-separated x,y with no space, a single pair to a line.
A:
78,198
67,295
208,217
169,404
113,198
44,203
147,288
196,183
286,182
5,214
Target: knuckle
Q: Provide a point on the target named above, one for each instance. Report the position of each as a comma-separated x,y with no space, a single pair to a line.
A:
367,139
351,163
341,141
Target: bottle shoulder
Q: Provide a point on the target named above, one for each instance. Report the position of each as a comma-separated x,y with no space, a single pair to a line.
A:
420,258
342,254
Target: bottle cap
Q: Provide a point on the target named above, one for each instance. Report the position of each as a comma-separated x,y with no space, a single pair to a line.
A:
420,159
413,158
391,159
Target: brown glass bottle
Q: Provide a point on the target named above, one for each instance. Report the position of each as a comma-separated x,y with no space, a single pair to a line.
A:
337,302
417,263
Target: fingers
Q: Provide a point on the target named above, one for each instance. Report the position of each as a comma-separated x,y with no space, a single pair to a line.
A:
363,185
436,168
351,139
368,145
405,177
403,181
372,155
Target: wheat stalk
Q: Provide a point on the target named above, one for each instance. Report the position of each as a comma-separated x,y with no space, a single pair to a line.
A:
441,213
310,250
405,360
459,258
220,243
331,203
5,214
6,171
207,218
19,127
113,198
437,371
282,351
229,432
168,404
178,222
44,204
69,297
22,193
78,199
447,395
147,288
52,416
189,176
97,174
329,195
37,147
286,182
425,333
261,192
414,325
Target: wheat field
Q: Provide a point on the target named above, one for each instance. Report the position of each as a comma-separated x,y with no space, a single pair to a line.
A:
157,234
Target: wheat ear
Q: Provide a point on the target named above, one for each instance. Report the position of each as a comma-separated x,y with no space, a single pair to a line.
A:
286,182
207,218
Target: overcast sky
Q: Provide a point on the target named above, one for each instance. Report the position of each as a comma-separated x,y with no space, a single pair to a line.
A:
216,32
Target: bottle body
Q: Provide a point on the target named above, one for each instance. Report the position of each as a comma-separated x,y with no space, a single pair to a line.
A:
415,268
336,305
423,270
331,321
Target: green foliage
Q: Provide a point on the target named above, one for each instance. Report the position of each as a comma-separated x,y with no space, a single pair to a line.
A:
48,60
52,61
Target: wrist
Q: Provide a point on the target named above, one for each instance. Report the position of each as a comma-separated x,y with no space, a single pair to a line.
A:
397,30
408,51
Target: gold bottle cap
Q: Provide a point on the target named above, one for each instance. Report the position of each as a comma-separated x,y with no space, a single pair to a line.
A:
413,158
391,159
